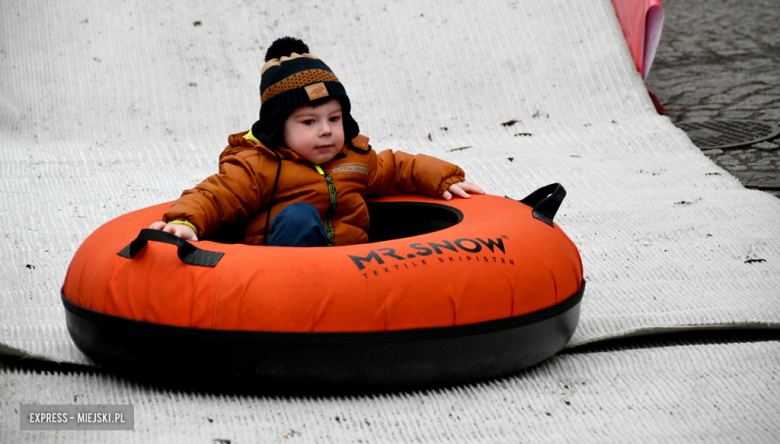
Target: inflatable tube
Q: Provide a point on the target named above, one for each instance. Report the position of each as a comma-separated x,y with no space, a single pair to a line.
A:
446,292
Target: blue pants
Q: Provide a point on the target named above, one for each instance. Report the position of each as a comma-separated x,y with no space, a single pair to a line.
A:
298,225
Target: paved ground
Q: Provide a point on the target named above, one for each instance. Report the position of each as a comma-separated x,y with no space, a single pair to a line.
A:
720,59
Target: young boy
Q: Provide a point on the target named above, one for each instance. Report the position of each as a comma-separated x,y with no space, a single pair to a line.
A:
303,169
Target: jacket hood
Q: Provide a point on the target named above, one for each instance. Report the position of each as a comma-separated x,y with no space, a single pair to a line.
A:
245,141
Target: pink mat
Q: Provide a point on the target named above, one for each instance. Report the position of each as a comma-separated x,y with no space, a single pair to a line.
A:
642,22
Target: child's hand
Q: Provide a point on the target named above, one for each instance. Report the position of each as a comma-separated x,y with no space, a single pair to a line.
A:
461,189
180,230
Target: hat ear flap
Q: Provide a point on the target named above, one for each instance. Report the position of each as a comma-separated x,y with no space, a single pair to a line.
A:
271,132
351,129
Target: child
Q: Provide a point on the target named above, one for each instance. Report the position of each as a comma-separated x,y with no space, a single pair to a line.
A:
303,169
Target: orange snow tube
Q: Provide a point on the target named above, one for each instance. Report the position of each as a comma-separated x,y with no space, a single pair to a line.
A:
446,292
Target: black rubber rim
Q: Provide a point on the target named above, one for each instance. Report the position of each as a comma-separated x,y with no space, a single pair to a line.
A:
321,362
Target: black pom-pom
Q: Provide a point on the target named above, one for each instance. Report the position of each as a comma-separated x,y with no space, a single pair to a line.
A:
284,47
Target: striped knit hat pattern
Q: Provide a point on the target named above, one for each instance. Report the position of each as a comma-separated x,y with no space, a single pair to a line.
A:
292,77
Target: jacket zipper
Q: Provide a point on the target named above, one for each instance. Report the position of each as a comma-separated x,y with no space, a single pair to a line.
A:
331,204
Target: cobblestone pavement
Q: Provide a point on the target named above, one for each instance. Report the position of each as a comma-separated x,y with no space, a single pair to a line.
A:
720,59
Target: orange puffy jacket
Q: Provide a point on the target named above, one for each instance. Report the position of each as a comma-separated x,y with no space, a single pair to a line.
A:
240,195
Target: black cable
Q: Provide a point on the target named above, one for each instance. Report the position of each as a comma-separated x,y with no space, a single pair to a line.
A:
271,203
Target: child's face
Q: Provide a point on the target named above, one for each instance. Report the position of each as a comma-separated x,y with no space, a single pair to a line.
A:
315,133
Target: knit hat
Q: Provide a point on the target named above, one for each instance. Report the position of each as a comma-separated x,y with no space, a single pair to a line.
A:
292,77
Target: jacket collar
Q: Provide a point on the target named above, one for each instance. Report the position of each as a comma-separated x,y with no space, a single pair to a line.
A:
246,140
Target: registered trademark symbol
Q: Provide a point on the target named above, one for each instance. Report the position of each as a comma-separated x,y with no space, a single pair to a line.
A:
504,236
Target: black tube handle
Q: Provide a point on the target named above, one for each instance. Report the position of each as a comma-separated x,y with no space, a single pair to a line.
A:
545,202
188,253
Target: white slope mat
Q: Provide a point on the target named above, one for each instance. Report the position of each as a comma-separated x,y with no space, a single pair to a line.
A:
107,107
657,395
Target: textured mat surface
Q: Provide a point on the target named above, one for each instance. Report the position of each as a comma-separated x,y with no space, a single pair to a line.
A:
106,107
677,393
